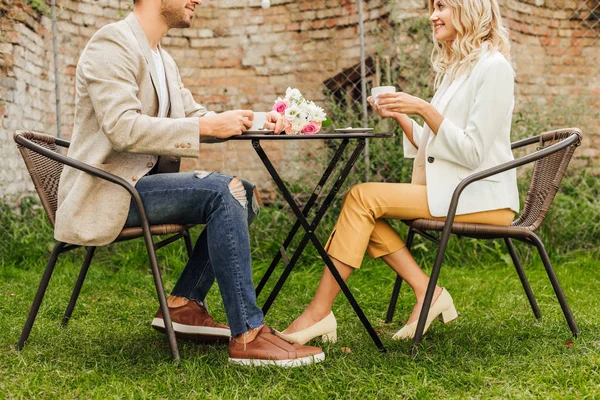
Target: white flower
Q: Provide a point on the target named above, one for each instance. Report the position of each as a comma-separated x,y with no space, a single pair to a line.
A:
293,94
315,112
297,125
292,112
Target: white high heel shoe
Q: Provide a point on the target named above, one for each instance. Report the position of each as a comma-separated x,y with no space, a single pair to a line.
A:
443,308
326,328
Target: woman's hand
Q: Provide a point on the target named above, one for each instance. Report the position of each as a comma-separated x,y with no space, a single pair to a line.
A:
379,111
401,103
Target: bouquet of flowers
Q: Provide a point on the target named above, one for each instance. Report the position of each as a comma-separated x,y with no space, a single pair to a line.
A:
300,116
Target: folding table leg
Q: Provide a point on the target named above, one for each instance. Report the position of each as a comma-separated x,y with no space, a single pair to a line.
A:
75,295
308,206
309,229
299,215
359,312
39,296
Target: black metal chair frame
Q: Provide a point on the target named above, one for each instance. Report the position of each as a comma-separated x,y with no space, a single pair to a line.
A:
532,240
61,247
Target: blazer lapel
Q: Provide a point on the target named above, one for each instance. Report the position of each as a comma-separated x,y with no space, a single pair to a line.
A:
456,84
449,93
145,47
442,102
176,103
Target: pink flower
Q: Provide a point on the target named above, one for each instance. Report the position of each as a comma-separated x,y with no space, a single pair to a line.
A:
280,106
311,128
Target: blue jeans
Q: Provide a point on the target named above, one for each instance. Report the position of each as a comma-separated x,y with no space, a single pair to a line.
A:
223,248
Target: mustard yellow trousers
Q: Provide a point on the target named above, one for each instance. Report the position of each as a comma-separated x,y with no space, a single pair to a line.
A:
362,227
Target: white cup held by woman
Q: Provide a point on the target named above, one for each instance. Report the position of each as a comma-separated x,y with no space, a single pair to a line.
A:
377,90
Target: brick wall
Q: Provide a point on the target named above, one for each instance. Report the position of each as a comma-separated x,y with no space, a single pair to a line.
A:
26,87
238,55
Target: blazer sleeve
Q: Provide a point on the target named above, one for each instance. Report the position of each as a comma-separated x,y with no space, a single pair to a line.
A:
410,151
488,113
110,72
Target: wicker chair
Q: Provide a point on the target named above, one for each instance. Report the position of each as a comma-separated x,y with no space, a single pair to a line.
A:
45,164
551,160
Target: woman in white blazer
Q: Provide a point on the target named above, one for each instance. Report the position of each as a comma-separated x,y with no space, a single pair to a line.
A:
467,129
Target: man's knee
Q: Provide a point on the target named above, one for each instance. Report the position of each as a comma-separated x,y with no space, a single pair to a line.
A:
246,192
237,190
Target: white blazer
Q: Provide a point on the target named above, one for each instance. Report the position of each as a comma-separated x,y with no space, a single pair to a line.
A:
475,135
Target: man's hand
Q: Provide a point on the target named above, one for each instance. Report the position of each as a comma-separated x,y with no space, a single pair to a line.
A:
226,124
275,122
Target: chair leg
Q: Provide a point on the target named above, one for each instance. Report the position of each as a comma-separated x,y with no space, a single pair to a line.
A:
389,317
39,296
160,291
398,284
435,273
515,258
188,242
190,249
555,285
75,295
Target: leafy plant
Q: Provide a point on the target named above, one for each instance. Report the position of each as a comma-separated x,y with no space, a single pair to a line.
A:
39,5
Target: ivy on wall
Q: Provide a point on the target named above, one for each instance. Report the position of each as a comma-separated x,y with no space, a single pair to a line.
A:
39,5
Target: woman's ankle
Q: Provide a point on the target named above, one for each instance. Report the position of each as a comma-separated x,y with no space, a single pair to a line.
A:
420,297
316,312
309,317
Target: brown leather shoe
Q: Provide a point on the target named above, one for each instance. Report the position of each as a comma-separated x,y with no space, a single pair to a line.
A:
269,349
192,322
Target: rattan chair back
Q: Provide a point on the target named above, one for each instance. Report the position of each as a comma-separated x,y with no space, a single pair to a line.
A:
547,175
44,171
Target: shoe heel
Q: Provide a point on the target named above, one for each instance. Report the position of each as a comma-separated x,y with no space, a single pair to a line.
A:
449,315
330,337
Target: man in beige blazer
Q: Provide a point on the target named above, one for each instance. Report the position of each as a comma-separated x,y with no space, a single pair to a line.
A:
132,107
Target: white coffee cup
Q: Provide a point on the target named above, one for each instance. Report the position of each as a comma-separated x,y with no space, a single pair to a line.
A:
377,90
259,120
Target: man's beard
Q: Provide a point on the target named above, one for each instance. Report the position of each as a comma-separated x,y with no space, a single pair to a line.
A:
175,18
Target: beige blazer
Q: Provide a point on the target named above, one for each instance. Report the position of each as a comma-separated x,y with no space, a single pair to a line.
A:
116,130
475,135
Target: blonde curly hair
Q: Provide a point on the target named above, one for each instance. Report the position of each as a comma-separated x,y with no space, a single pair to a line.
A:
476,22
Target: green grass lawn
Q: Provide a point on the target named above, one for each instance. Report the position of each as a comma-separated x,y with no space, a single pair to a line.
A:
496,349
